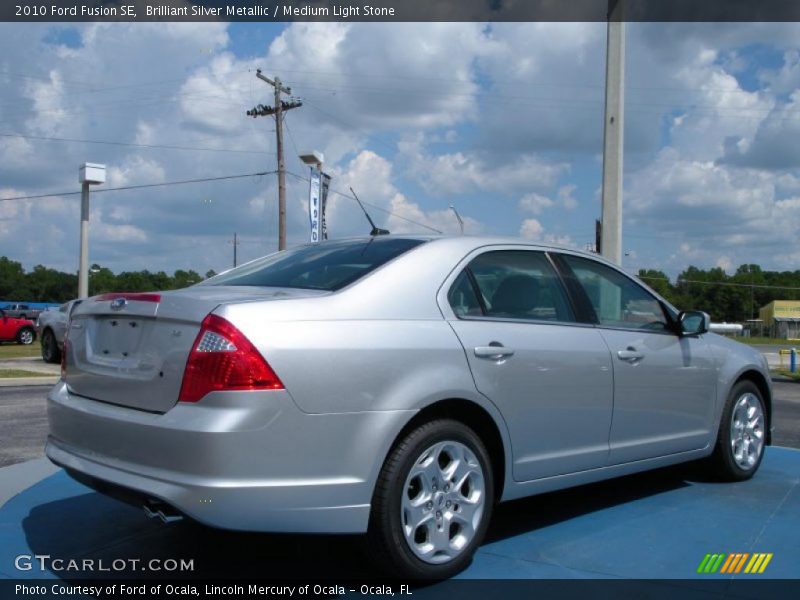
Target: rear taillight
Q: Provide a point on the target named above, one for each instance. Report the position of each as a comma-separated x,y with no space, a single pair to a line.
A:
222,358
64,350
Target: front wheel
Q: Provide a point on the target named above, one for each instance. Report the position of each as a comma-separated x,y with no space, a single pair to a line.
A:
742,434
26,336
432,502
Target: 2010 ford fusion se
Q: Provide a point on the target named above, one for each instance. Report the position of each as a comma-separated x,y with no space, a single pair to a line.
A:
396,386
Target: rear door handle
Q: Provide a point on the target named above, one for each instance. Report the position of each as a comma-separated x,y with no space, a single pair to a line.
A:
631,355
493,352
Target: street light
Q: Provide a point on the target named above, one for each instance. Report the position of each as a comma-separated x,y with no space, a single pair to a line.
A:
313,159
316,195
88,174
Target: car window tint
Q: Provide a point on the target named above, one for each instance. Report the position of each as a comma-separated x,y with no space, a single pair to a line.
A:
462,297
520,284
327,266
617,300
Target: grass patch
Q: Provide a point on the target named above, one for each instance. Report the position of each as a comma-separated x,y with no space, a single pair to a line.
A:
19,351
787,373
765,341
7,373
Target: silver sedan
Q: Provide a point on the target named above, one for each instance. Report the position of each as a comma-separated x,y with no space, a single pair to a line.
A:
396,386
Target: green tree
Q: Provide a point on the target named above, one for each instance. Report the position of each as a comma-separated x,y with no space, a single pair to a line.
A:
13,285
657,280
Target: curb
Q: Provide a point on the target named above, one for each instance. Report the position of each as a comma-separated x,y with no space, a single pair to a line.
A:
29,381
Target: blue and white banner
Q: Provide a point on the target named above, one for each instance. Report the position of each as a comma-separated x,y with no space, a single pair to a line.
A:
314,206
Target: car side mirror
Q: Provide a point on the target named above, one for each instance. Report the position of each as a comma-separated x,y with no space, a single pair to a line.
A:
693,322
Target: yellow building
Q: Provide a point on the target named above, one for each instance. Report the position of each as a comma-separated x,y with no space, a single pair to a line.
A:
781,318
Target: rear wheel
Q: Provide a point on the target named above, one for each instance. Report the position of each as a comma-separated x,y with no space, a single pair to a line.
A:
50,351
742,434
432,502
25,336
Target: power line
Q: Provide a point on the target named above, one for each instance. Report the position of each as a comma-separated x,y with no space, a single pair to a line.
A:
131,144
375,206
351,126
141,186
727,283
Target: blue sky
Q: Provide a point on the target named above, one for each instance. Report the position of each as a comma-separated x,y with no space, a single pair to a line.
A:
504,121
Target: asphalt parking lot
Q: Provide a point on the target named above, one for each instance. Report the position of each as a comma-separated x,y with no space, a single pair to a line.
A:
657,524
23,420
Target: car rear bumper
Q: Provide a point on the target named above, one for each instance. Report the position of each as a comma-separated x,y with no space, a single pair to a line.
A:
235,460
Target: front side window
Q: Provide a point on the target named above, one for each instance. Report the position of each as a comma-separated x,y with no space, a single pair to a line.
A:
617,300
513,284
328,266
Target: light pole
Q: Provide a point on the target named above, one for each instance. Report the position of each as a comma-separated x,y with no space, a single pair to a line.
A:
316,195
611,228
88,174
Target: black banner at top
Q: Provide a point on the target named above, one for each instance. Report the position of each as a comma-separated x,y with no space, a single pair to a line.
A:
400,10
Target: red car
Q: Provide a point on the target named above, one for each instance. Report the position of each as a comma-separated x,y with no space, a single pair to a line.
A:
13,329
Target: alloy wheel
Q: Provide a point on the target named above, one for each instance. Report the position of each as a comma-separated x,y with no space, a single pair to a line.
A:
443,502
747,431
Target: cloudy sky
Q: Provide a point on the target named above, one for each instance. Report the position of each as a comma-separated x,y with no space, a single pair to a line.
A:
502,120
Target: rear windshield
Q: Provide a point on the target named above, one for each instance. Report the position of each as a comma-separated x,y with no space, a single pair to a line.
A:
327,266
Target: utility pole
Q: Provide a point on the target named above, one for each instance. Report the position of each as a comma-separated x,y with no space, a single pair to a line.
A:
611,241
277,110
235,243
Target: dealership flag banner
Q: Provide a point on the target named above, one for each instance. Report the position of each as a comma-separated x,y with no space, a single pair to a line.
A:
314,208
323,198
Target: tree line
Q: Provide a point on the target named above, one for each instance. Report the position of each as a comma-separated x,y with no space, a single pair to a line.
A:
43,284
732,298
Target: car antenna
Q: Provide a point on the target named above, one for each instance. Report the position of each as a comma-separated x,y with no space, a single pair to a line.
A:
458,216
375,230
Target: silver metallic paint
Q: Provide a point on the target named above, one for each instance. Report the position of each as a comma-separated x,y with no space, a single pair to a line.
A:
358,365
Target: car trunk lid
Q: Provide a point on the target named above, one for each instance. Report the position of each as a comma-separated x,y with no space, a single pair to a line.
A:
131,349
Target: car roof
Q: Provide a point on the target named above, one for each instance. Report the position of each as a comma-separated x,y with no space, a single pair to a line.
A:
477,241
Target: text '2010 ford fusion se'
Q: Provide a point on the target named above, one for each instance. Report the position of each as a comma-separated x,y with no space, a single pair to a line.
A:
396,386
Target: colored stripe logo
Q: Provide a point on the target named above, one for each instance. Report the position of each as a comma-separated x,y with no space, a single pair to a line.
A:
737,562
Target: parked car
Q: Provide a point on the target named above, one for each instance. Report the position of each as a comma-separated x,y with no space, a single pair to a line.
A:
50,328
22,311
13,329
398,387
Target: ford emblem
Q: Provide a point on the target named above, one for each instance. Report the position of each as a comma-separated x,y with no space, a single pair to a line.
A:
118,303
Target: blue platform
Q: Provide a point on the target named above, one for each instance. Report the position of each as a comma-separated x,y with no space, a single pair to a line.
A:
656,525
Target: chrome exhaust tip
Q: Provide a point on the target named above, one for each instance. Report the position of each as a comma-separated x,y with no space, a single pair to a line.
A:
160,510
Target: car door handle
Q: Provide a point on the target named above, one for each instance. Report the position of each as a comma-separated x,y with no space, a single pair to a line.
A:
493,352
631,355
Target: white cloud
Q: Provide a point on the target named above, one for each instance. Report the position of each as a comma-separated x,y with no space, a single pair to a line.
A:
371,175
535,203
133,170
531,229
462,172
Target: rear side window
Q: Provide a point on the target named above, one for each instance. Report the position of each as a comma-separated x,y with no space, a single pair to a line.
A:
328,266
463,299
513,284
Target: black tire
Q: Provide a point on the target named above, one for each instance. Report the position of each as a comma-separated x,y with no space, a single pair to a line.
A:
26,336
722,464
386,540
50,351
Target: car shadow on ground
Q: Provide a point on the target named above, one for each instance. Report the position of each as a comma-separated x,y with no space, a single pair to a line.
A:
529,514
92,526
